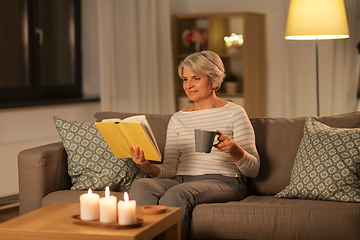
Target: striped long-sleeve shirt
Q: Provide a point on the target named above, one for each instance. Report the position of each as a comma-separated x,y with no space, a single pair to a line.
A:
180,157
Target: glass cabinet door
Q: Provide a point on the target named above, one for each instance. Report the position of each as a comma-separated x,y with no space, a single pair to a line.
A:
14,44
54,42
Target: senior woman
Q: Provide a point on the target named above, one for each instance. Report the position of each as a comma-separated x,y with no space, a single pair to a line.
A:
187,178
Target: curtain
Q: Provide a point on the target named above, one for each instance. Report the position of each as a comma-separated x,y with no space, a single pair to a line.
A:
338,72
345,78
136,70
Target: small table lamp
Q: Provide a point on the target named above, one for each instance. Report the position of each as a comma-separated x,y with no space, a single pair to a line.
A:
316,20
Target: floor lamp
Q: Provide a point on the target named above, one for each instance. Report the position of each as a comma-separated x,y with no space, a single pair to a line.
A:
316,20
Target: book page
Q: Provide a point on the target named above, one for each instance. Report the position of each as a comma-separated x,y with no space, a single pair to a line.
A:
136,135
111,120
142,119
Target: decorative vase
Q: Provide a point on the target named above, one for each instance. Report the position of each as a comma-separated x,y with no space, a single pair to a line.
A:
231,87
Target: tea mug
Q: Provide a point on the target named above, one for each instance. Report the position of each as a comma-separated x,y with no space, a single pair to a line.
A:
204,140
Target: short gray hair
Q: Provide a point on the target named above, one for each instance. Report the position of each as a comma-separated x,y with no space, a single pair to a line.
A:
205,63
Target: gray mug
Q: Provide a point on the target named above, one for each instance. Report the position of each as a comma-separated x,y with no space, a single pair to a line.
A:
204,140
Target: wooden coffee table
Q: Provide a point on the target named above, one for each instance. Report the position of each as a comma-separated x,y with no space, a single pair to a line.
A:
55,222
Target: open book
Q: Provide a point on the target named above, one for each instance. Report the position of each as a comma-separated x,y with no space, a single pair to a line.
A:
134,131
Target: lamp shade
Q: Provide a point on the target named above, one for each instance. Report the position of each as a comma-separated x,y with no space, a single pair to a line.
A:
316,19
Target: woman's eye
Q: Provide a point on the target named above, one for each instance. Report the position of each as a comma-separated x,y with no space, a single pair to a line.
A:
184,79
197,78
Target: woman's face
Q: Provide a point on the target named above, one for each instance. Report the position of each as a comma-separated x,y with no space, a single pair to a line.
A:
196,87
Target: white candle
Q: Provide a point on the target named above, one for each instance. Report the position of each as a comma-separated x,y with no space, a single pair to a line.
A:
89,206
107,204
127,210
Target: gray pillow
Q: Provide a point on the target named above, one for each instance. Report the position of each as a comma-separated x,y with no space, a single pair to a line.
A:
327,165
91,164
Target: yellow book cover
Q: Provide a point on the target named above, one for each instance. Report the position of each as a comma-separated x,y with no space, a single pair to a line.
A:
134,131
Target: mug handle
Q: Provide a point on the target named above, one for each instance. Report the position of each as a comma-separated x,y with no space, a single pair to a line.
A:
217,133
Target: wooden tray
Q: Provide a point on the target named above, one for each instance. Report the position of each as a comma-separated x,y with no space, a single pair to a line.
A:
153,209
96,223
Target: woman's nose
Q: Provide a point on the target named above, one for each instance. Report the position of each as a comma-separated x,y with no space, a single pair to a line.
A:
189,84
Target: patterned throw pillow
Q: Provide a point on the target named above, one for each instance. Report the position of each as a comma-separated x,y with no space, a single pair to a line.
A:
91,164
327,165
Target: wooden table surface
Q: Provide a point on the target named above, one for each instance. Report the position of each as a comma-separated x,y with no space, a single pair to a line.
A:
55,222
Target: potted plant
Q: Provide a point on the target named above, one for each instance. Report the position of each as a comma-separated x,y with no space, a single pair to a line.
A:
231,83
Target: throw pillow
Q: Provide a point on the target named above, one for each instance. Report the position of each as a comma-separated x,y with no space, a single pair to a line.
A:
327,165
91,164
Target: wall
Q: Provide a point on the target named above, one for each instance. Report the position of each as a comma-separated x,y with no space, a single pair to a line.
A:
23,128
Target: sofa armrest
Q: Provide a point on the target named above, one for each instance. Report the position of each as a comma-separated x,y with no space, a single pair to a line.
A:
42,170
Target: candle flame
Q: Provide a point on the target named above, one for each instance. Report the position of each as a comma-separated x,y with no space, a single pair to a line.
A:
89,191
126,197
107,192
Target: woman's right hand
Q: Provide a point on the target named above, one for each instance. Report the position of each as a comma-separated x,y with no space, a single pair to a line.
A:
137,155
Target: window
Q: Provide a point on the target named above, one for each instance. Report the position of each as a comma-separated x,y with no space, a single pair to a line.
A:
39,51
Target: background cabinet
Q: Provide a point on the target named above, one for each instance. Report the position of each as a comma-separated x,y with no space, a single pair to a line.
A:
248,63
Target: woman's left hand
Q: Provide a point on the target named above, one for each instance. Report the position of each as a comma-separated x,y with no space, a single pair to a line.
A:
228,145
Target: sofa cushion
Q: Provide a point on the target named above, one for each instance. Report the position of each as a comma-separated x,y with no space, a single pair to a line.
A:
91,164
327,165
266,217
277,141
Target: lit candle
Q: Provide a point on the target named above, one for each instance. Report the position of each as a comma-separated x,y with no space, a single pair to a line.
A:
127,210
89,206
108,207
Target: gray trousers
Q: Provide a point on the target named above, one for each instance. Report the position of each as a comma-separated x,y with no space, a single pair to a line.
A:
187,192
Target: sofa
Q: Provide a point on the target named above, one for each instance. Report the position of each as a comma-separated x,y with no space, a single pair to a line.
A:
44,179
